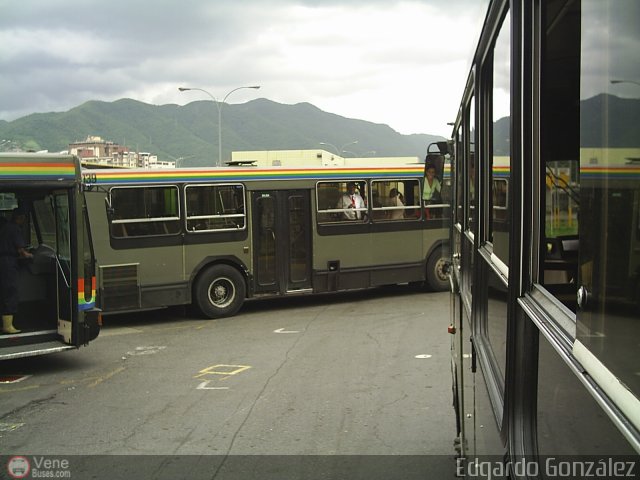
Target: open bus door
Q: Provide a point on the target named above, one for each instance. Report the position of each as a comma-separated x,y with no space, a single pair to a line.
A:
56,287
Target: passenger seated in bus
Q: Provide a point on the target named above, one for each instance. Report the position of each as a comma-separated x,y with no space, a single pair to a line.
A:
396,200
351,202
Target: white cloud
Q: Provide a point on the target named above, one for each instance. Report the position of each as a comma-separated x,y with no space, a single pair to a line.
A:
401,63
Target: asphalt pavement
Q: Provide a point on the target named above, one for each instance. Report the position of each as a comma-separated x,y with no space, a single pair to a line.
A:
354,382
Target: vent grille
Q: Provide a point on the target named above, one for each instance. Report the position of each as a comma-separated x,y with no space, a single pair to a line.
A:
120,289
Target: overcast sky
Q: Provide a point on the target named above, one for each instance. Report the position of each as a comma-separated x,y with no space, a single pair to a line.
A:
402,63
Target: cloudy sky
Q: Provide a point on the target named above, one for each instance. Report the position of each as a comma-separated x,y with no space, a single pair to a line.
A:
402,63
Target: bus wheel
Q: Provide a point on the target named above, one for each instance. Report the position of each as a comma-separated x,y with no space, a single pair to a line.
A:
437,278
219,291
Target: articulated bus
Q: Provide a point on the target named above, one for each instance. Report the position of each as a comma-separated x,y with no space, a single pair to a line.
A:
213,237
545,242
56,287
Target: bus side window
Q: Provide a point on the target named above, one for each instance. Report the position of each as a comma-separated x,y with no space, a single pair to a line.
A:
148,210
215,207
327,195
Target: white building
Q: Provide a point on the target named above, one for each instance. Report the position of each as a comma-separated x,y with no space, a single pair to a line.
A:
311,158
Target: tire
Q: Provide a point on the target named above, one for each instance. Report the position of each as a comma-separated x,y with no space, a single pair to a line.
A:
437,278
219,291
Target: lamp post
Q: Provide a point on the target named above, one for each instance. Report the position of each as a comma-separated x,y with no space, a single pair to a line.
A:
361,155
219,106
341,150
613,82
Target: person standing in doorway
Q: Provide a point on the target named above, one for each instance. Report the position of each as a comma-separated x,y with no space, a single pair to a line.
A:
12,248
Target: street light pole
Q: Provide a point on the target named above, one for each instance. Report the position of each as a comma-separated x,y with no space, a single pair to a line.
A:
219,106
339,151
613,82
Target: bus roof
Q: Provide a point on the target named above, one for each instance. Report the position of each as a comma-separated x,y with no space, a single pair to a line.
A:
242,174
38,166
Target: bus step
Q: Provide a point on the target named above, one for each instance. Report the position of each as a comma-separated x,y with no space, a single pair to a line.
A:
21,351
28,338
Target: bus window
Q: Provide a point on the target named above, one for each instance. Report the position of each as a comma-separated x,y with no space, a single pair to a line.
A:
395,199
215,208
144,211
344,201
500,158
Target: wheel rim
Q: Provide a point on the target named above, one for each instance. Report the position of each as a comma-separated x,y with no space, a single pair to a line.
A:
221,292
440,270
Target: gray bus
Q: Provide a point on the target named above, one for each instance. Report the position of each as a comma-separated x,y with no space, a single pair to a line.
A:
213,237
545,242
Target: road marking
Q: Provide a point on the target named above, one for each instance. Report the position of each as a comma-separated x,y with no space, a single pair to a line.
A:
93,380
222,369
150,350
204,386
106,377
10,427
19,389
424,355
282,330
110,332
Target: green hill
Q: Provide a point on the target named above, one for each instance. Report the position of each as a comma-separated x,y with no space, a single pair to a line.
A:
191,131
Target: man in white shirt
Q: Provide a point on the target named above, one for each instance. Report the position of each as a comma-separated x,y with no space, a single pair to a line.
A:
352,202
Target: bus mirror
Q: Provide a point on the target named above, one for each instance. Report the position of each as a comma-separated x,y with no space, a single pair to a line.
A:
443,147
438,148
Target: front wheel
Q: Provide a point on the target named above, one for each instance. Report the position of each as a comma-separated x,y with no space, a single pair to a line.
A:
219,291
437,277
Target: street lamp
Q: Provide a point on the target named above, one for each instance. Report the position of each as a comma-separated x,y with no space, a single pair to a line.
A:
219,105
341,150
360,155
613,82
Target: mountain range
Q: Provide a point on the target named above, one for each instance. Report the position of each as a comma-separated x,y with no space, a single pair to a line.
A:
190,132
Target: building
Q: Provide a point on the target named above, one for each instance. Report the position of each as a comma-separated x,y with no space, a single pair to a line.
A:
95,152
311,158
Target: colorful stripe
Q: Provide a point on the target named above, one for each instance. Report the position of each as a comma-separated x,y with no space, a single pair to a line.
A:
249,174
501,172
631,172
83,303
37,170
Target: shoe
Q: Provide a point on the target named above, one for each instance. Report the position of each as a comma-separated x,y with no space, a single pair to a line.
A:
7,324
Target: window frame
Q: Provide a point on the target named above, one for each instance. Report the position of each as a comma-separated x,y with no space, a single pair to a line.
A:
188,217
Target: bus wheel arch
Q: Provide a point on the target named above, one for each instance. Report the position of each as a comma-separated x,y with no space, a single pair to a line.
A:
219,291
437,278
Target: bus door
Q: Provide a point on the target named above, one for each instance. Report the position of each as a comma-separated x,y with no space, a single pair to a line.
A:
282,241
64,266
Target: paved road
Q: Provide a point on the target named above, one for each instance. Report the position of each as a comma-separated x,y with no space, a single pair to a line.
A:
355,374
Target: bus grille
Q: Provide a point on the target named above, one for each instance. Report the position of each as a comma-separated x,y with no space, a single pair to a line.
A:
120,288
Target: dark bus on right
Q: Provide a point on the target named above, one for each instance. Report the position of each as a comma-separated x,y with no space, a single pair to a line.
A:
545,242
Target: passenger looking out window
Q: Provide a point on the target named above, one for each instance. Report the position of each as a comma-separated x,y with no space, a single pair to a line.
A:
352,203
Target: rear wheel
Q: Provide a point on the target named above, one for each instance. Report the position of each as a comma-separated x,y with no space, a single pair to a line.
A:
437,277
219,291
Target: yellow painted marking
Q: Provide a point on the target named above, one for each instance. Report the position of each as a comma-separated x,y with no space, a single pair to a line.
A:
106,377
177,327
20,389
119,331
95,380
218,370
10,427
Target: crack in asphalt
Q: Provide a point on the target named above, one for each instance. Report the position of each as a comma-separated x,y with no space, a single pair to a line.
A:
264,388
